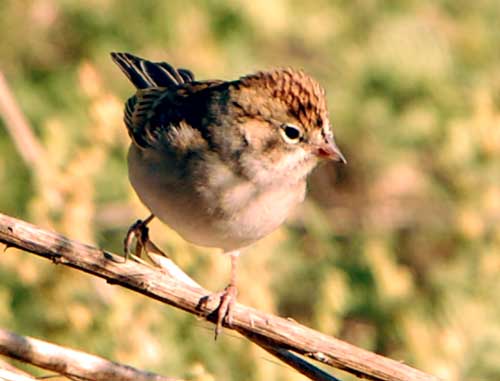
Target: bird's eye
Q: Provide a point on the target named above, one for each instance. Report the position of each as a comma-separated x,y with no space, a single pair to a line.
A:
291,133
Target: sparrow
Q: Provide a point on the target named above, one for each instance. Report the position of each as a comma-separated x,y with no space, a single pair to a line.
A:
223,163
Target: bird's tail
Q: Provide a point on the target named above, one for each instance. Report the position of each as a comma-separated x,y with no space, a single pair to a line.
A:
146,74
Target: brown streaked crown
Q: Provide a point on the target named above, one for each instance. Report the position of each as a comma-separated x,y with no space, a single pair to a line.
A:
301,94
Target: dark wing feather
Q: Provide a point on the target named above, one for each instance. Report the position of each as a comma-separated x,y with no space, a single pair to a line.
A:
139,110
187,75
144,74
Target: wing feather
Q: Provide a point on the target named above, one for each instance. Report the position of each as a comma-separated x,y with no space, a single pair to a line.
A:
161,89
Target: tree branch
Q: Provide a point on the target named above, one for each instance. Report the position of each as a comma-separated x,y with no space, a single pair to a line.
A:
70,362
274,331
283,354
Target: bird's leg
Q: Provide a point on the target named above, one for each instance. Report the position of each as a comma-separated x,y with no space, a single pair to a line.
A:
140,231
227,297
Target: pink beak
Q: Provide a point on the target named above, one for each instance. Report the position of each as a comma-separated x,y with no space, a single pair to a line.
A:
330,151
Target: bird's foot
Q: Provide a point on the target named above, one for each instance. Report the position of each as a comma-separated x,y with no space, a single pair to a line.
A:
140,231
224,311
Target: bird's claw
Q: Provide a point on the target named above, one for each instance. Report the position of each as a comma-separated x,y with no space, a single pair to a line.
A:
143,244
227,299
140,232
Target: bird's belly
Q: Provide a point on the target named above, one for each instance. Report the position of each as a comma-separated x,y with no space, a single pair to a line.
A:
261,213
228,217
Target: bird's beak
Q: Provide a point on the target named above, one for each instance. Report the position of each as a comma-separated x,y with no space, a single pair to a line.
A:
329,150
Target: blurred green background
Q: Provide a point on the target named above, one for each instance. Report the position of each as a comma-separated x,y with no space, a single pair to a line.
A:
397,252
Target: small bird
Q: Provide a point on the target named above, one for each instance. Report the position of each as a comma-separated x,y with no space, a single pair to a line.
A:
223,163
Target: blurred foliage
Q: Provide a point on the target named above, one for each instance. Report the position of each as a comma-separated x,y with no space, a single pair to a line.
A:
397,252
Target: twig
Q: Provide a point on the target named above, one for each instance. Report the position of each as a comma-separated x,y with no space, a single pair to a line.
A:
7,375
7,367
69,362
276,331
302,366
26,142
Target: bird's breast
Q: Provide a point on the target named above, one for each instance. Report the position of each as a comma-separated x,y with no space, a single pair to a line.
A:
207,204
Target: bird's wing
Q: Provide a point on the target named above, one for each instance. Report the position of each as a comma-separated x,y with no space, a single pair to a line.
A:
151,112
161,98
139,111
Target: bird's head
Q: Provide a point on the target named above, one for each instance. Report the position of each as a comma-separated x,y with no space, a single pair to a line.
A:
283,119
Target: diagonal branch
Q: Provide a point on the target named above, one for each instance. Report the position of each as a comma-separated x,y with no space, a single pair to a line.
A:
299,364
275,331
